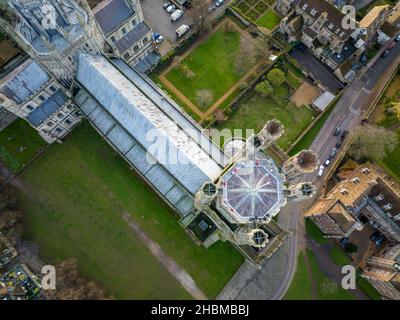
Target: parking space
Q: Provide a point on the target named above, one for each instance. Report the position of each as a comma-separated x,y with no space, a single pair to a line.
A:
316,70
160,20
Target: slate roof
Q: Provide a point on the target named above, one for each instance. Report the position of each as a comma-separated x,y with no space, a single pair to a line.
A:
112,14
24,81
47,108
137,33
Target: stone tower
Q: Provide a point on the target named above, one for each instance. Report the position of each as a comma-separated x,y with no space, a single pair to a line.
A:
305,161
51,32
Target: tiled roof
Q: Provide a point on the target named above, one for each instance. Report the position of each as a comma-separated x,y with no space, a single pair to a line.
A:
137,33
47,108
111,14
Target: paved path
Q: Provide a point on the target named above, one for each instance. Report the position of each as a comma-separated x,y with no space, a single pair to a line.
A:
180,274
348,112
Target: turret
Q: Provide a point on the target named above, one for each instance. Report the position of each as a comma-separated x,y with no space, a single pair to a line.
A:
305,161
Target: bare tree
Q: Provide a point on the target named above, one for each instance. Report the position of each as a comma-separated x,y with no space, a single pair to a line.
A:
204,97
245,58
200,15
70,286
371,142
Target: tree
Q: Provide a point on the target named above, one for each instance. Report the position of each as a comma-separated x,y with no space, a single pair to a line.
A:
395,109
276,77
200,15
264,88
219,116
204,97
245,58
261,47
350,248
371,142
70,286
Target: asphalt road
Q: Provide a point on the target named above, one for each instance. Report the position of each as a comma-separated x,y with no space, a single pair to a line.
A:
347,115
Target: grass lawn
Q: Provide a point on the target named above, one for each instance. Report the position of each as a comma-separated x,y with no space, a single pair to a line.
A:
19,143
339,257
326,292
212,64
269,20
314,232
74,198
257,110
391,162
368,289
300,288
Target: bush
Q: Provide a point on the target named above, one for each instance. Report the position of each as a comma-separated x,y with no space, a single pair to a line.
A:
276,77
350,248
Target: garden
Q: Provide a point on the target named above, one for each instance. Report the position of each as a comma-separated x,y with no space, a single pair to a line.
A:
270,99
260,12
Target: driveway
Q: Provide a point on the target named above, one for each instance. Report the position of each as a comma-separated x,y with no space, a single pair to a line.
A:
316,70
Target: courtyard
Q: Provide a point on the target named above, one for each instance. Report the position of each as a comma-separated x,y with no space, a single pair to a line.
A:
207,77
81,200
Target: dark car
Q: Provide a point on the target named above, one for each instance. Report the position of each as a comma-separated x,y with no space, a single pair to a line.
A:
374,236
344,135
337,131
384,55
338,145
363,58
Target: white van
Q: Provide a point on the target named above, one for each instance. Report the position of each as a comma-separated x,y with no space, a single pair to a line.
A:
176,15
182,30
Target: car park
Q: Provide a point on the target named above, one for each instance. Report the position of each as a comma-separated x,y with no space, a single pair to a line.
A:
321,171
171,8
176,15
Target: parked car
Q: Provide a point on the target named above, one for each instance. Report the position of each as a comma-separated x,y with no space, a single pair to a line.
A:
344,241
355,66
219,3
344,135
171,8
338,145
333,153
158,38
321,171
166,4
374,236
176,15
337,131
363,58
182,30
327,162
397,39
384,55
379,241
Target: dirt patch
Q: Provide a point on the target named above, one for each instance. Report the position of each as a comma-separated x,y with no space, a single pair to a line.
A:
305,94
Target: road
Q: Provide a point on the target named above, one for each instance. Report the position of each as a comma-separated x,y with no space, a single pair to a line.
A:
347,115
249,283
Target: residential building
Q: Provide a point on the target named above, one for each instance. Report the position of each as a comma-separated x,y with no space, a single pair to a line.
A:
394,16
383,272
7,252
369,26
31,93
122,24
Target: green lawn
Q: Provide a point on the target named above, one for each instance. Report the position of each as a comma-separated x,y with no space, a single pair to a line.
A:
326,289
339,257
257,110
332,292
269,20
19,143
314,232
368,289
300,288
74,198
212,64
391,162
